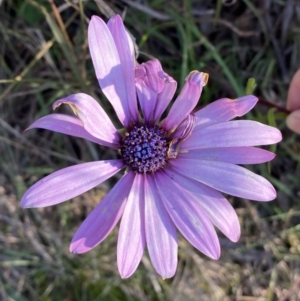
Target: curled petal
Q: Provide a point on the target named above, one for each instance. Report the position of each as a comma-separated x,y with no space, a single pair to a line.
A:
227,178
103,218
93,117
132,240
188,218
160,232
125,50
233,134
234,155
108,68
151,81
212,203
187,99
152,75
68,125
69,182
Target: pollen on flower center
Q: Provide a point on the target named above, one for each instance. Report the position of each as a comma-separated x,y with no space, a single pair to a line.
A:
144,148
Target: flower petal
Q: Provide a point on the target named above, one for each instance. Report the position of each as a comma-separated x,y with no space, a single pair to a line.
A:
234,155
224,109
147,100
68,125
132,46
212,203
150,82
160,232
132,240
232,134
124,48
220,110
69,182
226,177
152,74
103,218
187,99
93,117
108,67
165,96
187,217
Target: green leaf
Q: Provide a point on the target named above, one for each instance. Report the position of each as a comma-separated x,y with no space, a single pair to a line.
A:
251,85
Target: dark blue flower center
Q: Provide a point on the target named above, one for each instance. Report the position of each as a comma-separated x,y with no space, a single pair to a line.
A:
144,148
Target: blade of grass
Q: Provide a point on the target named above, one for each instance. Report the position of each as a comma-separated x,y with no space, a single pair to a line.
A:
63,44
217,12
211,48
19,77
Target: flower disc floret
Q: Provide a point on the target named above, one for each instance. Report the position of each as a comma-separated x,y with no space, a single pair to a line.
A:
144,148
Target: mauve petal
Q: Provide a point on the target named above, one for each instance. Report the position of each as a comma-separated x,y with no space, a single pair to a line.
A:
154,75
224,109
69,182
165,96
124,48
108,67
147,100
233,134
132,240
226,177
103,218
188,218
160,232
187,99
131,43
68,125
93,117
220,110
234,155
150,82
212,203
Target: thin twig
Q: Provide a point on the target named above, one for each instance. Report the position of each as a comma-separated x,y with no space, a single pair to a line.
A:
30,147
151,12
273,105
239,32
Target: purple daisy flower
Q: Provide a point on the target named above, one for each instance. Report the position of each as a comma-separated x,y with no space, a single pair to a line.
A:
175,168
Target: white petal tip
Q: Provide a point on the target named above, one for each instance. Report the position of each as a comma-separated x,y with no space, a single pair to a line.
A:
216,257
234,238
215,254
271,196
167,275
125,276
77,249
276,136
